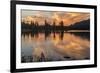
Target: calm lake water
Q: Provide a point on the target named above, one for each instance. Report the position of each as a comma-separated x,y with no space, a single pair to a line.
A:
56,46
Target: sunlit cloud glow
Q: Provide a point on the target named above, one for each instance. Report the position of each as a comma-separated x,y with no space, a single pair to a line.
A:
68,18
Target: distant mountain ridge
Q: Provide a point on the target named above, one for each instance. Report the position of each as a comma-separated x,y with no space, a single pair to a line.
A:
83,25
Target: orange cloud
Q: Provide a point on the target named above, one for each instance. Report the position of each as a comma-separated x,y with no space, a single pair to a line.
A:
67,17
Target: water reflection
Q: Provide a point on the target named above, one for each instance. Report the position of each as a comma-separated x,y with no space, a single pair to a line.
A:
54,46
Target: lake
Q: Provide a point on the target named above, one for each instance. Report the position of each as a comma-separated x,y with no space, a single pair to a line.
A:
54,46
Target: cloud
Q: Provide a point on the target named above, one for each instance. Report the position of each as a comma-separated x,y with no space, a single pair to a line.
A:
68,18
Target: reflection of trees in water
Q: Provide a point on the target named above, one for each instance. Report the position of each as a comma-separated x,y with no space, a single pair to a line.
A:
46,33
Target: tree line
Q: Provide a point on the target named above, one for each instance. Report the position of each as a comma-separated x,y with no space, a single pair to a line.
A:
34,26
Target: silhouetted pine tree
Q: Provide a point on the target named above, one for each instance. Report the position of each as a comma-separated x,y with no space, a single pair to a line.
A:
32,24
61,25
45,22
54,25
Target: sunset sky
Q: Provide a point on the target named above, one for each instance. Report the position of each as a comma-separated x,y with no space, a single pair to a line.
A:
68,18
